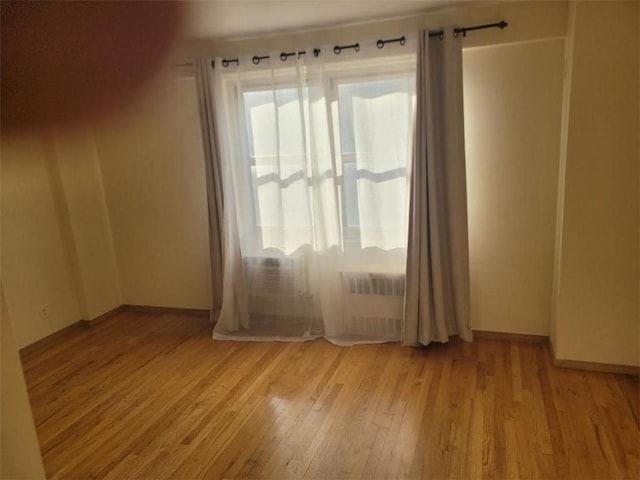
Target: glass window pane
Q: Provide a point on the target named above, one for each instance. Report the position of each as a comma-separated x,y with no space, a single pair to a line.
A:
375,122
380,107
274,122
374,119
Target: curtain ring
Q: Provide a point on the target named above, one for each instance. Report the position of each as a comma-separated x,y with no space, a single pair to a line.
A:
356,47
284,56
316,52
225,62
403,40
337,49
255,60
380,43
458,31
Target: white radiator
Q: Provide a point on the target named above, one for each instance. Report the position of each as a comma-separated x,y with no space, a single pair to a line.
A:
374,304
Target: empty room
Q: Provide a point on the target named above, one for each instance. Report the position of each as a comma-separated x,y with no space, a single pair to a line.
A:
320,239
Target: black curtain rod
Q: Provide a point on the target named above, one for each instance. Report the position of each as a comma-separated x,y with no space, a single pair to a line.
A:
501,25
463,30
356,46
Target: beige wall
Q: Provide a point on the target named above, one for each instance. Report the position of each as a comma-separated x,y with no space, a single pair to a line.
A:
58,264
153,170
90,238
19,450
88,224
528,21
150,162
154,178
596,317
58,245
513,95
37,278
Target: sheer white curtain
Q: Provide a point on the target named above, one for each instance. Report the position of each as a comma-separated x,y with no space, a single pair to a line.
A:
315,155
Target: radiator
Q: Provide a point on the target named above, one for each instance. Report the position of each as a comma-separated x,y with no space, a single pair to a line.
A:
374,304
277,286
274,275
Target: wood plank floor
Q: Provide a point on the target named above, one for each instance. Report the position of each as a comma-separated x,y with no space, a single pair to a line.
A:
152,396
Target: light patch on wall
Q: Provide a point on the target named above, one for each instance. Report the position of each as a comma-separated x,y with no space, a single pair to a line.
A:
512,122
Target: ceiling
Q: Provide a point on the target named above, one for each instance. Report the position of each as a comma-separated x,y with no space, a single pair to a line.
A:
217,19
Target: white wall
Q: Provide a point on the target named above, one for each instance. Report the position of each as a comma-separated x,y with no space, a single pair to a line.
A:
597,317
153,170
513,95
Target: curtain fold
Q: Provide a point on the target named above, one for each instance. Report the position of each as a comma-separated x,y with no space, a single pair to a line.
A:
213,181
437,274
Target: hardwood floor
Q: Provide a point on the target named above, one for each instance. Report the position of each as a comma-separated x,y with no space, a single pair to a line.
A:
152,396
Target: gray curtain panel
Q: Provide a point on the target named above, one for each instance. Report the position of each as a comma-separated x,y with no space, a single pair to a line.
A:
437,285
214,181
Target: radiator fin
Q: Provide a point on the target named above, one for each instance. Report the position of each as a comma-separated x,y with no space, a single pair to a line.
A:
371,284
373,305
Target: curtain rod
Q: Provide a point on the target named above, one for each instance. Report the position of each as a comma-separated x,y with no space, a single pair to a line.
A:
356,46
501,25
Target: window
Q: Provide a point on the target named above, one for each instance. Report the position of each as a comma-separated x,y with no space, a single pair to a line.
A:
352,141
375,127
277,162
